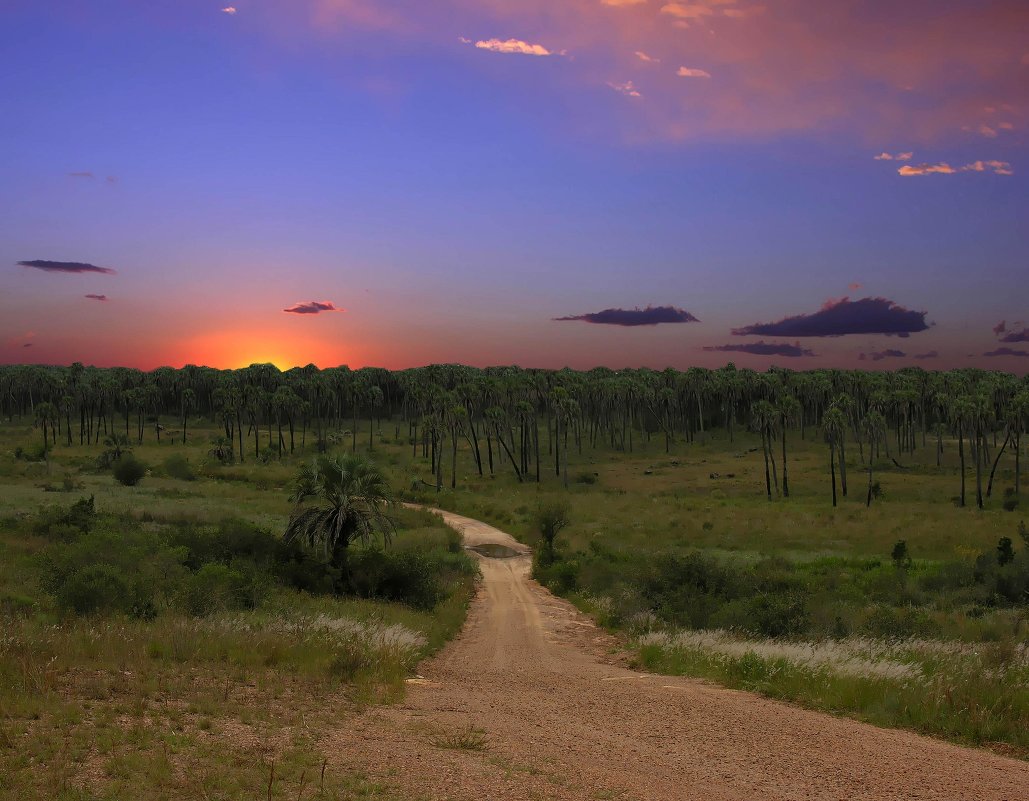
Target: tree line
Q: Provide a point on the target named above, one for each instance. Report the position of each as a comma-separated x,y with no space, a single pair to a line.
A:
527,421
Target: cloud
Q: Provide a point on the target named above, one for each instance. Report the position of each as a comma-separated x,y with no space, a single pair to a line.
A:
840,317
313,307
86,174
1000,328
1007,352
230,10
884,156
854,287
692,72
932,354
516,46
652,315
687,11
647,58
97,297
763,348
878,356
65,267
622,3
27,345
628,89
943,168
1016,336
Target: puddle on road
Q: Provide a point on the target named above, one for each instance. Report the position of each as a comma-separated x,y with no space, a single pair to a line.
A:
492,550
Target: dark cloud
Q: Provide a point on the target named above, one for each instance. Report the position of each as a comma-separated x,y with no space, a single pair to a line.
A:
878,356
1000,328
65,267
844,316
652,315
27,345
97,297
1016,336
81,175
313,307
930,355
764,349
1007,352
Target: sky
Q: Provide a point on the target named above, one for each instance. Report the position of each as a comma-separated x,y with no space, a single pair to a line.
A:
548,183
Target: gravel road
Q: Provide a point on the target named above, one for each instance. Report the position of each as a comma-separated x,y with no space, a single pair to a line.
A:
529,702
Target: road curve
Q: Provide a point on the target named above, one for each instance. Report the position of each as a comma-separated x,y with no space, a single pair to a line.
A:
561,719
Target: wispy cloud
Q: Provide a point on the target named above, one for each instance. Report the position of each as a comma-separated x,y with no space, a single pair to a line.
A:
517,47
652,315
65,267
96,297
622,3
855,286
1022,354
1020,335
932,354
313,307
649,59
878,356
230,10
884,156
763,348
628,89
943,168
844,316
692,72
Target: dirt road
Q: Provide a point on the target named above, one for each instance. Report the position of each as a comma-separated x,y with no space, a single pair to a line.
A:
560,719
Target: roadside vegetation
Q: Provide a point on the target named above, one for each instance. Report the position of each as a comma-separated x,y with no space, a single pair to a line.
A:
849,541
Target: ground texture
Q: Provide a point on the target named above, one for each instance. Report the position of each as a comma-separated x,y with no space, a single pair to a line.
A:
530,702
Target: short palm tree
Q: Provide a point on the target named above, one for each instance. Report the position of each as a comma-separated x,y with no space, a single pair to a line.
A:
338,500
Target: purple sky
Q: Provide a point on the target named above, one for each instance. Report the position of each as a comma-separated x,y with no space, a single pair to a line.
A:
543,182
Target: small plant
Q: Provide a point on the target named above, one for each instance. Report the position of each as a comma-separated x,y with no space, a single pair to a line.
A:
549,522
469,739
1005,553
178,466
129,471
900,555
586,478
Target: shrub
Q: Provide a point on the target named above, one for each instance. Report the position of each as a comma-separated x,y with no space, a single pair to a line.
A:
586,478
178,466
216,588
548,522
403,576
129,471
59,523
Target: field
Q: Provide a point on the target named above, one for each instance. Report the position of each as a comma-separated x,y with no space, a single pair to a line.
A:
679,551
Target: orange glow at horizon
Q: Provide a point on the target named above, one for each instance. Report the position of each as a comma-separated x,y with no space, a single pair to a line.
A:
237,348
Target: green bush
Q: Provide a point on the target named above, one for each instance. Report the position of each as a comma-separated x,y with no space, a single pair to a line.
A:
407,577
178,466
129,471
59,523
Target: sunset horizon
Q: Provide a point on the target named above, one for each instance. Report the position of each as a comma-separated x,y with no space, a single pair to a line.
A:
619,183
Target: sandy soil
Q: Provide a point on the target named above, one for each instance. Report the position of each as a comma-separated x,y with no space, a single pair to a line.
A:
554,715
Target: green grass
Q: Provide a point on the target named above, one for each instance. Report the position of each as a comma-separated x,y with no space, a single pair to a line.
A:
233,705
637,509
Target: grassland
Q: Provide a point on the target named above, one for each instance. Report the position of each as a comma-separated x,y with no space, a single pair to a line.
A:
113,707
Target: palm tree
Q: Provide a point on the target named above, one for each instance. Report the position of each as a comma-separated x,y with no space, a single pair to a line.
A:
961,413
874,426
764,419
338,500
834,423
789,409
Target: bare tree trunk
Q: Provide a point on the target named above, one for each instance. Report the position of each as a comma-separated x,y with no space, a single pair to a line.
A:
832,471
989,485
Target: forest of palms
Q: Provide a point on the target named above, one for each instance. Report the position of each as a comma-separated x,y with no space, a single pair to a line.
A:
527,421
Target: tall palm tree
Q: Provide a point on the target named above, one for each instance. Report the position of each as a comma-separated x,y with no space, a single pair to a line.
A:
765,417
789,409
874,428
338,500
834,424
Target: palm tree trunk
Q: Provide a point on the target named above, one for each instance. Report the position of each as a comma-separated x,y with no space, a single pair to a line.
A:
764,452
980,442
843,463
785,479
832,471
961,456
993,471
